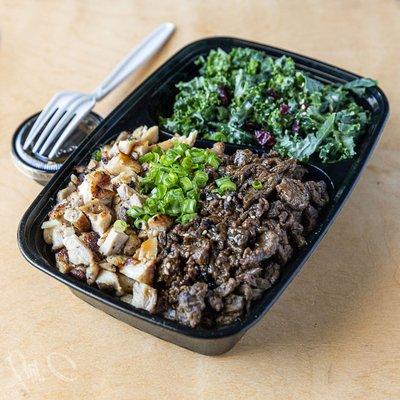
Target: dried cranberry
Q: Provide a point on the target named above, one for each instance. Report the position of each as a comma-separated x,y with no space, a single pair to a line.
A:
251,126
284,109
224,96
264,138
295,126
272,93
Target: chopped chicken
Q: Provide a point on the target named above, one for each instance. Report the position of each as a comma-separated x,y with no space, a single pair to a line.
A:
167,144
122,163
92,272
107,280
78,253
148,249
54,233
97,185
144,297
158,223
99,215
117,261
141,268
125,282
127,298
132,245
62,261
141,271
64,193
125,177
78,219
113,243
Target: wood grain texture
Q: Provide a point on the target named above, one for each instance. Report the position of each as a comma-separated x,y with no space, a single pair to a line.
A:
334,334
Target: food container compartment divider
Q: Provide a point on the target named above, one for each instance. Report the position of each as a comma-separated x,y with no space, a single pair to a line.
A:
142,106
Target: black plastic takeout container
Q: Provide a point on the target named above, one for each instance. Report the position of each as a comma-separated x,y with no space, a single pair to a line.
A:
154,97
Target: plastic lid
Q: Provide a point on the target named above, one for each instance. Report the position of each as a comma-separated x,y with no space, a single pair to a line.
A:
38,168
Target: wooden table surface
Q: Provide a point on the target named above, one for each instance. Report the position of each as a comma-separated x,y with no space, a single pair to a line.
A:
334,334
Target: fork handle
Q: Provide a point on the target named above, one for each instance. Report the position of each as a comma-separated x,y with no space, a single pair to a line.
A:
138,56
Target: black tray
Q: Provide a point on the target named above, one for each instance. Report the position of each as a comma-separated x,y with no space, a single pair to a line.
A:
143,106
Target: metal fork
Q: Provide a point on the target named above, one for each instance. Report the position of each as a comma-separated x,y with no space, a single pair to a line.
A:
66,109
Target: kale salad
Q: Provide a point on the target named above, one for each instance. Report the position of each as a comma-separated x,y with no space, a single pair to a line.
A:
247,97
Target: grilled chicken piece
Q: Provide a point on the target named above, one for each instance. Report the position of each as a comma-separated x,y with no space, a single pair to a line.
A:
148,249
75,200
58,211
97,185
125,177
54,233
78,253
122,163
142,271
141,267
159,223
144,297
99,215
117,261
78,219
167,144
125,282
132,244
130,196
113,243
108,280
62,261
64,193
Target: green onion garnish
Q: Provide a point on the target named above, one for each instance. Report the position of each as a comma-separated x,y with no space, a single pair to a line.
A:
120,226
173,182
257,185
96,155
225,185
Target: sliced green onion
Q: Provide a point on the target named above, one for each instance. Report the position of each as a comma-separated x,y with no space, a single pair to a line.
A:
96,155
185,218
225,185
186,184
120,226
134,212
257,185
147,157
189,206
200,178
171,179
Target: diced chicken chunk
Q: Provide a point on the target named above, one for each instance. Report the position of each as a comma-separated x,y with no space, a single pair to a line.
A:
113,243
78,253
78,219
142,271
141,268
64,193
159,223
108,280
99,215
54,233
148,249
62,261
144,297
132,245
150,135
122,163
97,185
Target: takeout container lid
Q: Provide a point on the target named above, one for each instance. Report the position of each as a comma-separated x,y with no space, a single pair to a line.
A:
37,168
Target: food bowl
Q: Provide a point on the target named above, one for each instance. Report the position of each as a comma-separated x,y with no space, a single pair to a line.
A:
143,106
